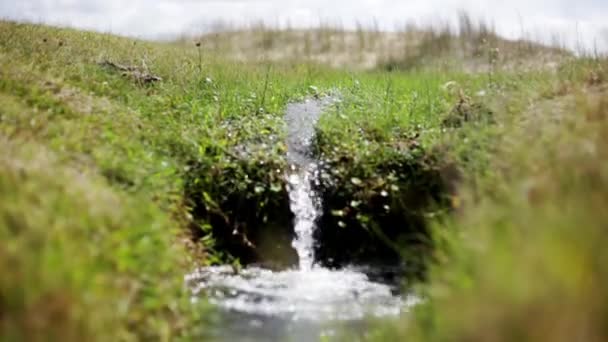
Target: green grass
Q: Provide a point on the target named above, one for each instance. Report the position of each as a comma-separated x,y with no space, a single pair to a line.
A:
522,257
99,177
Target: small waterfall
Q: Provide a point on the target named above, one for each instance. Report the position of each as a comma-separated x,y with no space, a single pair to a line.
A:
258,304
305,204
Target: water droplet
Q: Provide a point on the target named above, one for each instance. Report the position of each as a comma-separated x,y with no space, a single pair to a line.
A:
275,187
339,213
293,179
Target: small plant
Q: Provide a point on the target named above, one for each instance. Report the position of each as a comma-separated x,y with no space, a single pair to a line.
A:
493,58
199,48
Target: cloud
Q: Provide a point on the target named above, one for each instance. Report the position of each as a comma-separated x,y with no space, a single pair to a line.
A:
583,21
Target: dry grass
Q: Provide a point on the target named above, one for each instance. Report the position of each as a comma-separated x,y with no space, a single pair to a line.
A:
471,46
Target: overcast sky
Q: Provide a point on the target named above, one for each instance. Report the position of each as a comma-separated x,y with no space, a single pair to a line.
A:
582,20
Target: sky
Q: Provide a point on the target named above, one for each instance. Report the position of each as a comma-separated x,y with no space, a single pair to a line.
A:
579,23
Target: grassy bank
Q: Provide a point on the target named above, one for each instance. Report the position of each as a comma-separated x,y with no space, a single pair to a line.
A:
521,258
127,163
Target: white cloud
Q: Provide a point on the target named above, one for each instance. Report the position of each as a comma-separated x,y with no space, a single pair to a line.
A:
170,17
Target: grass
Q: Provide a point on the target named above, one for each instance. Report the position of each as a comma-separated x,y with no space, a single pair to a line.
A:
110,190
521,259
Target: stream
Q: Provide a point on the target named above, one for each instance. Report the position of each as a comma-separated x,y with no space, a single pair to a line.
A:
308,302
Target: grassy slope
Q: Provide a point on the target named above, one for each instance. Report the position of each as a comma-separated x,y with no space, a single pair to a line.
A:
90,206
92,184
523,258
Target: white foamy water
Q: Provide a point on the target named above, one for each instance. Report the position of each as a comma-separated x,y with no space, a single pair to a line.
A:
304,204
262,305
314,295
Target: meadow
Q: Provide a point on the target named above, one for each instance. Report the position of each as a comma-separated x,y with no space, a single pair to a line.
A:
112,183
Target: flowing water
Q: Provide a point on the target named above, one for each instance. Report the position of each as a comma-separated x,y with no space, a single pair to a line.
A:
307,302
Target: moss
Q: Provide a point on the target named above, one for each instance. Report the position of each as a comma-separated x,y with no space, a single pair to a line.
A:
466,111
375,207
244,205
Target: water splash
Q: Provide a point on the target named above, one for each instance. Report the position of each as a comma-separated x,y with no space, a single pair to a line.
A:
318,295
